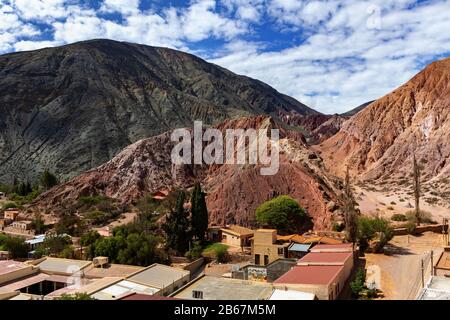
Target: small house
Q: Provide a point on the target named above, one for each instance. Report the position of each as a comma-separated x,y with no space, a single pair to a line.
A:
236,236
11,214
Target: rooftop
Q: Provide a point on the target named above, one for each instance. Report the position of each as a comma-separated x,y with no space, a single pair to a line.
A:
112,270
144,297
310,275
337,258
438,288
11,266
238,230
342,247
159,276
292,295
299,247
123,288
226,289
62,266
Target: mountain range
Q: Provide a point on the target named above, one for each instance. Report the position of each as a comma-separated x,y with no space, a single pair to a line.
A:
100,114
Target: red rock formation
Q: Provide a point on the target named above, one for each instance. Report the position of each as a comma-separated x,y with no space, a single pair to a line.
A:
234,192
379,141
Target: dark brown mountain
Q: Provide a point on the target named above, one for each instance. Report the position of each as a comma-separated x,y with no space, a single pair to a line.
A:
72,108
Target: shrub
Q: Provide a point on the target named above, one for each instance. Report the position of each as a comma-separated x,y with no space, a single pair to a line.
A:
77,296
9,205
195,252
399,217
374,229
358,284
425,216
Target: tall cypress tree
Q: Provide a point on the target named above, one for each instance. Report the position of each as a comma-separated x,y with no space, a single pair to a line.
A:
199,213
177,227
351,214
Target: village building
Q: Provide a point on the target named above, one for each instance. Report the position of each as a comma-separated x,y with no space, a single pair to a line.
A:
437,288
11,214
266,248
236,236
213,288
164,278
323,272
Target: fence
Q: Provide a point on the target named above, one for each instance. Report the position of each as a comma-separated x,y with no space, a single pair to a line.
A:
421,273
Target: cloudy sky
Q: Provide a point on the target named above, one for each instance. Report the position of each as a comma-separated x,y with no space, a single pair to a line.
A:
332,55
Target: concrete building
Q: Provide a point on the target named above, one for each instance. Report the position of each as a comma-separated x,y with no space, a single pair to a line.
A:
212,288
266,248
437,288
291,295
268,273
11,214
236,236
442,267
12,270
164,278
323,272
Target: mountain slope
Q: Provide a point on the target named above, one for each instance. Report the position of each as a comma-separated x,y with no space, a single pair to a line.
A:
233,191
379,142
72,108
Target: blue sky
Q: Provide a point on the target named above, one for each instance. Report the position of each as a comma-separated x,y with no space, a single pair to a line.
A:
332,55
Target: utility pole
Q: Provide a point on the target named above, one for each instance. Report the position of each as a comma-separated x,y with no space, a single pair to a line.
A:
423,275
432,264
416,174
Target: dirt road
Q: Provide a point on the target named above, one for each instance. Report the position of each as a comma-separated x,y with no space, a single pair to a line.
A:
399,269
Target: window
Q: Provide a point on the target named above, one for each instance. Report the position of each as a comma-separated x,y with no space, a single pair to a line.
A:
266,260
197,294
257,259
280,251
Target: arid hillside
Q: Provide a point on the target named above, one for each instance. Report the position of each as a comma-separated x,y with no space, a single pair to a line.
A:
234,191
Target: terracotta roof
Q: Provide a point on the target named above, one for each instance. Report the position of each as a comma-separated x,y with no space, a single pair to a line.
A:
310,275
326,257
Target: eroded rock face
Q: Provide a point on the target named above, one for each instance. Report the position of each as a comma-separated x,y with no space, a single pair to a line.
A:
317,127
233,191
379,142
73,108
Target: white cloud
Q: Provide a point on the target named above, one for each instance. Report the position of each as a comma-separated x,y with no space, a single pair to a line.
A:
125,7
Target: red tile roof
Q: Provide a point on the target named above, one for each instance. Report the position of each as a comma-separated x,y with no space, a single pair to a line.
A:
310,275
326,257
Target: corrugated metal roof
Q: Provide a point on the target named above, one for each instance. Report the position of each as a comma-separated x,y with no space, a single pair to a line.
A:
159,276
299,247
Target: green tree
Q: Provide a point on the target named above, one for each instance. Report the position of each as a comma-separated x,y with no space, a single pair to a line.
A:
176,227
199,213
48,180
377,229
17,247
416,186
39,224
351,214
54,243
282,213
